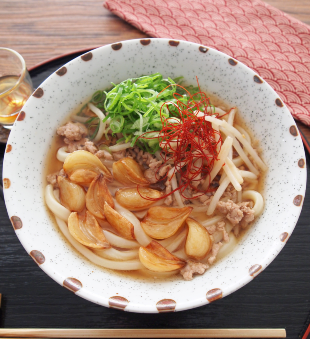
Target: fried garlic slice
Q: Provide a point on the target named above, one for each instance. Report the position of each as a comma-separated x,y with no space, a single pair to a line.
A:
198,242
163,222
97,194
71,195
130,198
128,172
82,167
86,230
156,258
120,223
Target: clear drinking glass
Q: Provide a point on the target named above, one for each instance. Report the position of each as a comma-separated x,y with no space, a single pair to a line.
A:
15,85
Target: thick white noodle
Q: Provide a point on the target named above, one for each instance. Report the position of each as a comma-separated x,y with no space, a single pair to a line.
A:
230,121
114,254
59,210
245,158
244,134
217,136
238,161
174,185
257,198
231,177
227,247
234,170
218,194
118,265
197,164
119,147
177,241
101,116
120,242
231,116
140,235
62,154
242,154
247,174
247,146
222,177
215,110
212,220
218,164
243,140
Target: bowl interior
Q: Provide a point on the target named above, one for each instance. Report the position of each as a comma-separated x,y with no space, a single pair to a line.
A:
68,88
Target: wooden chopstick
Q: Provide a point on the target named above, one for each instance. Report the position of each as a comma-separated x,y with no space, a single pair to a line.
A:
141,333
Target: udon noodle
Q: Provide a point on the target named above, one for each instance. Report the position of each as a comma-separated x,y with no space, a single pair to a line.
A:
163,207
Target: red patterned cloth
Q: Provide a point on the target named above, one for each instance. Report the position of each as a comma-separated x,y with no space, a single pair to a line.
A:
270,42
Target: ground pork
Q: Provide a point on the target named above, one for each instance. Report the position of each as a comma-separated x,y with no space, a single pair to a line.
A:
221,227
154,164
168,200
211,229
231,193
214,251
236,213
143,158
248,214
83,144
52,178
150,175
73,131
119,155
192,268
164,169
231,210
104,154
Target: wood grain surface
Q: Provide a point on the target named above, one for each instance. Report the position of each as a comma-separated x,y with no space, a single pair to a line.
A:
277,298
144,333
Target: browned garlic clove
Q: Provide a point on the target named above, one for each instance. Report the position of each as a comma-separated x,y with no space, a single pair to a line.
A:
120,223
82,167
86,230
198,242
83,177
97,194
163,222
156,258
128,172
130,198
71,195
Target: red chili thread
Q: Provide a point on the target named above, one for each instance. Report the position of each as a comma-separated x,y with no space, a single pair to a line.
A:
190,143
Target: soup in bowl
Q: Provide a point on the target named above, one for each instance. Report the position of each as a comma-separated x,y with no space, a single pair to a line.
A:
158,168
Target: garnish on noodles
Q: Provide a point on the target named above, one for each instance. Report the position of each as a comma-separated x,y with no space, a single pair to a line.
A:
188,141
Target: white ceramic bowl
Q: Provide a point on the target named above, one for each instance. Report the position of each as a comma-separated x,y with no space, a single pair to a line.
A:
219,74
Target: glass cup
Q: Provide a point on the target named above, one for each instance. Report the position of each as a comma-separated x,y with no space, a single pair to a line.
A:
15,85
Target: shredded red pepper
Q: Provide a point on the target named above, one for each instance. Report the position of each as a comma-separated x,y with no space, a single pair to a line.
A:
189,143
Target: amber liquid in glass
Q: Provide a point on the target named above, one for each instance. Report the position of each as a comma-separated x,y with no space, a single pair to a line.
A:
11,104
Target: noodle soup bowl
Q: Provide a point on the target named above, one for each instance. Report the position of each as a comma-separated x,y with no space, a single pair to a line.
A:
65,91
